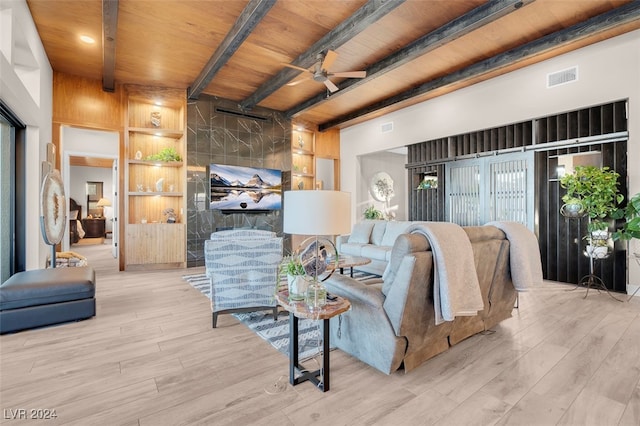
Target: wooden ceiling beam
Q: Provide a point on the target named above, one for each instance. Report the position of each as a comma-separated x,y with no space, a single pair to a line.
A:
250,17
476,18
369,13
109,29
620,16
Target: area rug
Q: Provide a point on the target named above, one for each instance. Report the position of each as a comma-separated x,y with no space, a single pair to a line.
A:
277,332
90,241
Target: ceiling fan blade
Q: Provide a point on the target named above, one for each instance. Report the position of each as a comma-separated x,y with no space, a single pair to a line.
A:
350,74
297,68
332,87
298,81
329,59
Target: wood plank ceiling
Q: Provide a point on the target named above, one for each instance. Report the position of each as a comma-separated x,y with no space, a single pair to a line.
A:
412,50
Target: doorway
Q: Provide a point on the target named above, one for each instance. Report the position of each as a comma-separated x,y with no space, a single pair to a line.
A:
89,164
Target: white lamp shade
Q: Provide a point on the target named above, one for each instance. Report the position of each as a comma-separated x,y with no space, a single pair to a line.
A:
103,202
316,212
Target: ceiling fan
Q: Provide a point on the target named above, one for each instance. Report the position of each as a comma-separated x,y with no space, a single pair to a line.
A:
321,74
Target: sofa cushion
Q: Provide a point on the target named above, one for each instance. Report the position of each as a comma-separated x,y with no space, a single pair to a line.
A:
378,231
392,231
354,249
47,286
375,252
361,232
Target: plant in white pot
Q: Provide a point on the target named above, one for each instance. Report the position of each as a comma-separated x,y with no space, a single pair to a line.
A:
598,248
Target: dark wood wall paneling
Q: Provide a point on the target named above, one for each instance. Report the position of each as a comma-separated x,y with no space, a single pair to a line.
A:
561,240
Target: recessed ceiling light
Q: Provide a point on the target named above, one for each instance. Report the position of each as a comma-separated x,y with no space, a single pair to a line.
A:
87,39
158,103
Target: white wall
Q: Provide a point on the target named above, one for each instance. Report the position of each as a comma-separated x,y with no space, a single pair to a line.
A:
26,87
393,164
608,71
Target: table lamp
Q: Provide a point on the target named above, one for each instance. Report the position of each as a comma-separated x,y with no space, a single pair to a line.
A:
103,202
317,213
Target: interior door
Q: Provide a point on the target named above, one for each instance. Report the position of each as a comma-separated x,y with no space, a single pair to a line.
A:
485,189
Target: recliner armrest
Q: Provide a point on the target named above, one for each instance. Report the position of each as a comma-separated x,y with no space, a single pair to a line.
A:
407,304
355,291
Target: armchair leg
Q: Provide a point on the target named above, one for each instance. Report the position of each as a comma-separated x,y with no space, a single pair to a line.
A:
214,319
275,313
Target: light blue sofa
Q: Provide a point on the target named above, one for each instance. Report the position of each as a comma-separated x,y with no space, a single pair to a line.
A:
372,239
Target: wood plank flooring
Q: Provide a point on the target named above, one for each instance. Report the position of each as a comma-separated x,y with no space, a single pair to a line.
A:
150,357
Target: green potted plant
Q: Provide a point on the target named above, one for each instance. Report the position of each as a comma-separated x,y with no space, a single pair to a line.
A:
296,282
631,214
166,155
596,188
372,213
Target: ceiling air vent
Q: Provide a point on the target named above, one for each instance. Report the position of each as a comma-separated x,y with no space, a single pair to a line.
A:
387,127
559,78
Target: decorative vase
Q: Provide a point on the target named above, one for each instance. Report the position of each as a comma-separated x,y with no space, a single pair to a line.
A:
316,295
572,210
155,118
159,184
297,287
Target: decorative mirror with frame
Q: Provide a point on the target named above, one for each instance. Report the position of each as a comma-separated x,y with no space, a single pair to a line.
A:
94,193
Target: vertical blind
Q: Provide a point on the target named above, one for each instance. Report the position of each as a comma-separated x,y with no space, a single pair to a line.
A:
490,188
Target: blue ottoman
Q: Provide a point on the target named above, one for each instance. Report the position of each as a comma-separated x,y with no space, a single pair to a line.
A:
47,296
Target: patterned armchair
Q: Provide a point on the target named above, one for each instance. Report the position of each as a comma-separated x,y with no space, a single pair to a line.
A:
243,268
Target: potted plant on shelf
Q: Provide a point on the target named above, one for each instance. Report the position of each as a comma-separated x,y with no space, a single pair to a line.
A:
596,189
598,247
165,155
296,282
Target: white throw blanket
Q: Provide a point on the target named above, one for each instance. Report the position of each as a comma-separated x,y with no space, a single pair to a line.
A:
456,290
524,254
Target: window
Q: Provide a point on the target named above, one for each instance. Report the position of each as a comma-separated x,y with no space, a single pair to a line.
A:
12,202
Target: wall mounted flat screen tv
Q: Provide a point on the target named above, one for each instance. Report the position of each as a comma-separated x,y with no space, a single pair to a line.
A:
251,189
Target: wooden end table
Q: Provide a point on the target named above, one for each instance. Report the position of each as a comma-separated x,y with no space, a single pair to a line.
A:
299,309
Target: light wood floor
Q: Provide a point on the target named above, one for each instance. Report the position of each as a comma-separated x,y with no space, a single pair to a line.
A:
150,357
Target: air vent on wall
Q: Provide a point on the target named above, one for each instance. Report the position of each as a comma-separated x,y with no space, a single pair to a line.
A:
559,78
241,114
387,127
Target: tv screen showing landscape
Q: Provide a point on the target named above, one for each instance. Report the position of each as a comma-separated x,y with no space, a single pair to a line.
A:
236,188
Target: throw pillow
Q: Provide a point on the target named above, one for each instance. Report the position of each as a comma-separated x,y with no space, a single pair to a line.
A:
361,232
393,230
378,231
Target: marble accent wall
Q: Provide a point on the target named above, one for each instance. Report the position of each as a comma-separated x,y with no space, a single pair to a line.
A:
226,138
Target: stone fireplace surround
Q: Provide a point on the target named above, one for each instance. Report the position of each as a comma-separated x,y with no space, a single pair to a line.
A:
218,132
